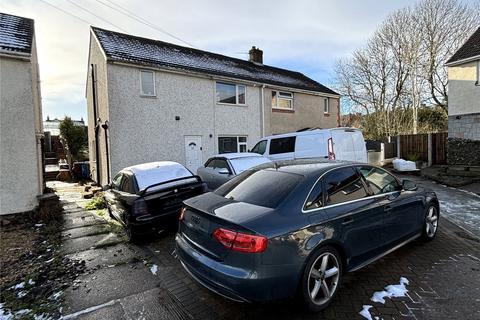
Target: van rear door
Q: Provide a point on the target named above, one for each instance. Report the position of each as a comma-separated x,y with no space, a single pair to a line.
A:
343,145
359,146
311,146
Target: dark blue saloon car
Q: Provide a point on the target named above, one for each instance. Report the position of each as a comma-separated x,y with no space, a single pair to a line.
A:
296,227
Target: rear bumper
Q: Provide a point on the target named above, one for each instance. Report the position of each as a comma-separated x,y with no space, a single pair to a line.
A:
265,283
149,223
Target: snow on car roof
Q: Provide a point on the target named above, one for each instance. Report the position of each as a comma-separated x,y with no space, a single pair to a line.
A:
151,173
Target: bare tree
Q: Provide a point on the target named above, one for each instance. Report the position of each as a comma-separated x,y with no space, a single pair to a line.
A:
401,67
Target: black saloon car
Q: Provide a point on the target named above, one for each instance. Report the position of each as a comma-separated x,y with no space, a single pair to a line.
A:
296,227
149,196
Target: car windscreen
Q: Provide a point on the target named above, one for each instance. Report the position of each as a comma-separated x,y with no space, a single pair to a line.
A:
266,188
242,164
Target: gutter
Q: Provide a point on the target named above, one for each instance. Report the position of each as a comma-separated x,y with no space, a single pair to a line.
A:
16,55
454,63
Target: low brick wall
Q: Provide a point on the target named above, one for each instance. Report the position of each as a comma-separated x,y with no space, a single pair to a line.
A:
463,152
465,126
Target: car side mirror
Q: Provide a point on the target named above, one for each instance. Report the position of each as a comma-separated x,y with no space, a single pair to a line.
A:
409,185
223,171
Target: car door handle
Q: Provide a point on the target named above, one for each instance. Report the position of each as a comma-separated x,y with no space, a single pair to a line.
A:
347,220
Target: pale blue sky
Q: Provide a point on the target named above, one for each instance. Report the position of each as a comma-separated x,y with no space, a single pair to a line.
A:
301,35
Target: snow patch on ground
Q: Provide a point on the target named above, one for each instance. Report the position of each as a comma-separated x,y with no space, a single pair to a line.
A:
154,269
390,291
365,313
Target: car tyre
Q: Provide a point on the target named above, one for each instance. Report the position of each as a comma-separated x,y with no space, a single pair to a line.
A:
321,279
430,226
132,236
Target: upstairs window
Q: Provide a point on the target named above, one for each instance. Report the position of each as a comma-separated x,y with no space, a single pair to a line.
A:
326,105
147,83
231,93
282,100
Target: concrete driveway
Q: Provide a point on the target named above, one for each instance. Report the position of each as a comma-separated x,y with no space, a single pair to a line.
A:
127,281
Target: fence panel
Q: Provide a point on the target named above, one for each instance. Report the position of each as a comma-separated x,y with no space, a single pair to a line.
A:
414,146
439,148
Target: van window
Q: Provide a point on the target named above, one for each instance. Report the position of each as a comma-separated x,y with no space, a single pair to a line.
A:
282,145
260,147
343,185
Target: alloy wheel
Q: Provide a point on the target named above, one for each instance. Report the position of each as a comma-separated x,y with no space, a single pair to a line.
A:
323,278
431,222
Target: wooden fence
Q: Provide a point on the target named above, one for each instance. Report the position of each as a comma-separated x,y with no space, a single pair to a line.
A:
417,146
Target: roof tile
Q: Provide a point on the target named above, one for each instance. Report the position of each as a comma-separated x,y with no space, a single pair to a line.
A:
470,49
131,49
16,34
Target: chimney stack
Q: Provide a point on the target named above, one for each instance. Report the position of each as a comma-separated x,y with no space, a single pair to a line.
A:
256,55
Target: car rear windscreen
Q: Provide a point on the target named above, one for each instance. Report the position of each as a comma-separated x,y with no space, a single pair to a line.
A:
266,188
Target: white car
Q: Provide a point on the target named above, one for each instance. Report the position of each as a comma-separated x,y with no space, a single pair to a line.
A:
223,167
337,143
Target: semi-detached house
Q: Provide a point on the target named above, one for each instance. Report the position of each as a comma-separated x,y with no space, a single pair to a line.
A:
150,100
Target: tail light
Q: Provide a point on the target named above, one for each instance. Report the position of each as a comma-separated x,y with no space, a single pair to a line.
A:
181,217
331,153
139,207
242,242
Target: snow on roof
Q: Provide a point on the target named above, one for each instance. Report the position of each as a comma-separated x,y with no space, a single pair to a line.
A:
131,49
16,34
151,173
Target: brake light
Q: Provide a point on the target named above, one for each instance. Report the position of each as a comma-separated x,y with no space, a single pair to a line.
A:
242,242
139,207
331,153
181,217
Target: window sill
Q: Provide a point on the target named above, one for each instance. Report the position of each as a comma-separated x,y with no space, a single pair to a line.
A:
326,114
232,104
283,110
147,96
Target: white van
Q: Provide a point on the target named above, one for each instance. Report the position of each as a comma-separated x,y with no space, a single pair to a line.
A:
336,143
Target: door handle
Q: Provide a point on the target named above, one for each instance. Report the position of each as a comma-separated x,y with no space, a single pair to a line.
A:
347,220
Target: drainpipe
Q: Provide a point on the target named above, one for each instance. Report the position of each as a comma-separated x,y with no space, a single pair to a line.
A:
262,104
105,127
95,107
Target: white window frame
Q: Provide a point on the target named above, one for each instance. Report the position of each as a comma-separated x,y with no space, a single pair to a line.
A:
236,93
326,105
283,97
141,84
238,141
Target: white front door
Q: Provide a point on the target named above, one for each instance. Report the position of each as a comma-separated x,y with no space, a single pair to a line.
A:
193,152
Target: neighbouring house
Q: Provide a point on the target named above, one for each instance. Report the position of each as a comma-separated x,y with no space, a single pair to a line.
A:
150,100
51,130
21,133
464,90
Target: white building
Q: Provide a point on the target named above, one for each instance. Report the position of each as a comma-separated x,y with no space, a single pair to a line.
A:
21,178
150,100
